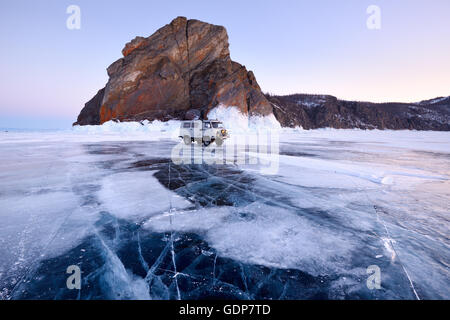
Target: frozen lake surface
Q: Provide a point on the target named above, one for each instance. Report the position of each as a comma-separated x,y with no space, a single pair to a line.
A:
142,227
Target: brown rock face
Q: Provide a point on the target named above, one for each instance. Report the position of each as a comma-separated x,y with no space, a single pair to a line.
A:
184,65
90,114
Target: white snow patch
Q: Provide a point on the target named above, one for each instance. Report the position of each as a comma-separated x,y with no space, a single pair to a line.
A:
387,180
150,130
237,122
432,101
265,235
137,194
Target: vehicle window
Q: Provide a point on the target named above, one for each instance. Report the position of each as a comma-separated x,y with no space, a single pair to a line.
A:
217,125
187,125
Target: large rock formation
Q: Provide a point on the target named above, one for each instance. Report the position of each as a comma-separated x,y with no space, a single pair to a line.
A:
184,70
320,111
183,66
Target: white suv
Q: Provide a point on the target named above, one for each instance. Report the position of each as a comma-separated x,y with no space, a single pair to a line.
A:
203,131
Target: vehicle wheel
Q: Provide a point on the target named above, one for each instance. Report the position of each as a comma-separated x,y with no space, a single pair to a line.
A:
219,141
206,143
187,140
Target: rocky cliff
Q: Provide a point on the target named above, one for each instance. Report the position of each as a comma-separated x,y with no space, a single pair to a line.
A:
182,70
320,111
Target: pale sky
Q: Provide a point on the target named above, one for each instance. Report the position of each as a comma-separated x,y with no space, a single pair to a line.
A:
297,46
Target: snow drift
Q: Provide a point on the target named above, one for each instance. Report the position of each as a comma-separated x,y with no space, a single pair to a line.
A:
238,122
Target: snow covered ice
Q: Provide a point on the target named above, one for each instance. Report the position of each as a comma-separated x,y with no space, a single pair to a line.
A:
110,200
